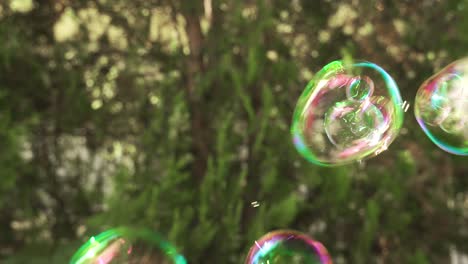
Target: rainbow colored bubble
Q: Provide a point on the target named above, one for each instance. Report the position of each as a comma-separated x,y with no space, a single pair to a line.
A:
286,246
347,112
127,245
441,108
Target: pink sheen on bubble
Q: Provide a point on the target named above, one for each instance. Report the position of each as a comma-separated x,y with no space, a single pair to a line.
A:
286,246
441,108
348,112
127,246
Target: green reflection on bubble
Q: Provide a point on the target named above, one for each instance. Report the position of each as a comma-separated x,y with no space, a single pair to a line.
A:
127,245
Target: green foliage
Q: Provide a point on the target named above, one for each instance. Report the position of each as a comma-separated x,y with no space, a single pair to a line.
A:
175,116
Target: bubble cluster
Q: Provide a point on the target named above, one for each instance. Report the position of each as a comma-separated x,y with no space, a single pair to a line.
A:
285,246
129,246
347,112
441,107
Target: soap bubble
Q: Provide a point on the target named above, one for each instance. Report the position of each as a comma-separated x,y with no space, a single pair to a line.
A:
127,246
285,246
441,107
347,112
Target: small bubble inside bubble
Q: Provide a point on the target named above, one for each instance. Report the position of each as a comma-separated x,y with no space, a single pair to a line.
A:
360,88
345,113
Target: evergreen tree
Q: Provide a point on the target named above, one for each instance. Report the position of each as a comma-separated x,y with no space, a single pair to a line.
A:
175,115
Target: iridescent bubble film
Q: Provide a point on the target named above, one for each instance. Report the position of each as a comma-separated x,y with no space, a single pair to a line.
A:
285,246
441,108
129,246
347,112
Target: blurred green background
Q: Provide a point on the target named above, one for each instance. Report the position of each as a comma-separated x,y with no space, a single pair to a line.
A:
175,115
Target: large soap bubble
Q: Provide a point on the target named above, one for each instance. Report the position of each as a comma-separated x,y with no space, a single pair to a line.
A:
285,246
347,112
441,107
127,246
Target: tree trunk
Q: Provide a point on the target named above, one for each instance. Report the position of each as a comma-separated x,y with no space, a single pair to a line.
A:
194,68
